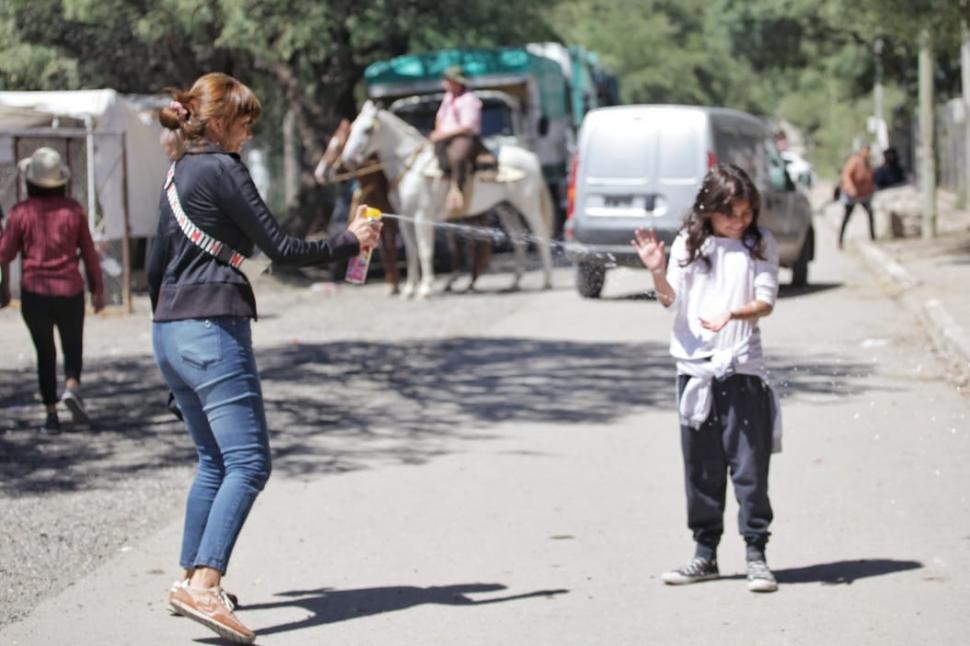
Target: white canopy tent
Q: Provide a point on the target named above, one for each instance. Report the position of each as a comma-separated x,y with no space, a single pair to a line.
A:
122,147
111,144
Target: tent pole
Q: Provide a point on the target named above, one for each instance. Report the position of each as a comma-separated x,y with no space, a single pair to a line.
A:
20,180
125,242
92,198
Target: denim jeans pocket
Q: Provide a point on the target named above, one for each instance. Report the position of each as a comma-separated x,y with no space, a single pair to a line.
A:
199,345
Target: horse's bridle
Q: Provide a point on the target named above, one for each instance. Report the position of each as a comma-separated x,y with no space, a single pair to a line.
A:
373,168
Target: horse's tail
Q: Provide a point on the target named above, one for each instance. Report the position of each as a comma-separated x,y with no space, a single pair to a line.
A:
548,210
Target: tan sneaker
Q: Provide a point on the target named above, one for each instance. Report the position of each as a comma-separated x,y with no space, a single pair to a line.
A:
209,607
231,600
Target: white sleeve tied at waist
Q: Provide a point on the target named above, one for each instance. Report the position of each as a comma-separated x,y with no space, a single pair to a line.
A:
697,399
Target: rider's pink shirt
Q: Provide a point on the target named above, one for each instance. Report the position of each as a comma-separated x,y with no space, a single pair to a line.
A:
462,111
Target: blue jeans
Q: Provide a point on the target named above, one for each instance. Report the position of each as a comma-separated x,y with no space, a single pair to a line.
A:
210,367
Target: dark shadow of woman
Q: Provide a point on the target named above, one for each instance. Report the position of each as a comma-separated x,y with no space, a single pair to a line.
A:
328,605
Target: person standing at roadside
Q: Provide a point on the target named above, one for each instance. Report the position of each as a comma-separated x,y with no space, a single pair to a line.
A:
50,230
211,217
891,173
857,188
721,280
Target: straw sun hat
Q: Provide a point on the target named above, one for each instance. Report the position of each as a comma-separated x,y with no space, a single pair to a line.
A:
457,74
44,168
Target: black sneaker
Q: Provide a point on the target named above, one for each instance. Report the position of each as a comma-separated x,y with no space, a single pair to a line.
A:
52,425
72,399
760,578
694,572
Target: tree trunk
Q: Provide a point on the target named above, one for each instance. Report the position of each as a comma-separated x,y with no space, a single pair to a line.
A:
927,163
291,161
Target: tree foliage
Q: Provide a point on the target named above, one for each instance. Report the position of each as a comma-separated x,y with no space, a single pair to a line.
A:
301,56
809,61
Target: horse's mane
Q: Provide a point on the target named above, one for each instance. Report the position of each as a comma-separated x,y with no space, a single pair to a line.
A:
403,125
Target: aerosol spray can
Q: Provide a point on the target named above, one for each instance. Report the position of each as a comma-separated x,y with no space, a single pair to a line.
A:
358,265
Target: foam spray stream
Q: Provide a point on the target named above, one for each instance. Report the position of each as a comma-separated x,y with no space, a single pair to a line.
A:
496,235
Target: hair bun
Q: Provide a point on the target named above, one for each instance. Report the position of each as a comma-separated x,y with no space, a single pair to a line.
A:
169,118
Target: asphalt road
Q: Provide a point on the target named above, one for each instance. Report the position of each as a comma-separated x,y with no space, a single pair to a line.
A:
502,468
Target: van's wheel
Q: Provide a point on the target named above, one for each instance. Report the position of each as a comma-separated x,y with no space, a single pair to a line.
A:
589,279
799,271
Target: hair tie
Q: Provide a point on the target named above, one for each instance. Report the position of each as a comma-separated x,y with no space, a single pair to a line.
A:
180,110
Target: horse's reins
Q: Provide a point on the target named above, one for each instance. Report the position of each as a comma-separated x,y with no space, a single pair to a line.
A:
413,157
373,168
360,172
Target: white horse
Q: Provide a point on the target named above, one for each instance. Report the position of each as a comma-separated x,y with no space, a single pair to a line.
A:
405,155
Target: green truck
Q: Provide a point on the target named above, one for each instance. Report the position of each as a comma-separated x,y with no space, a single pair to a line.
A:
524,97
533,96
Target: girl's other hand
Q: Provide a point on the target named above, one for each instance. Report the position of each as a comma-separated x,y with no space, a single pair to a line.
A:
651,251
717,323
367,230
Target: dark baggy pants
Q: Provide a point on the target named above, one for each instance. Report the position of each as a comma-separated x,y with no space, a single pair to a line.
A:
848,213
736,438
455,156
42,313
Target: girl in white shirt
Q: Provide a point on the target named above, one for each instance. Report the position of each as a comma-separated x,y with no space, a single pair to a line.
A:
721,279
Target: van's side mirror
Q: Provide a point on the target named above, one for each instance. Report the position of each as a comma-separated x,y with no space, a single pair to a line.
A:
543,126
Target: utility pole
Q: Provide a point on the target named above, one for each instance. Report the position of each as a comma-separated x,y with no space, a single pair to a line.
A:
965,74
927,164
879,111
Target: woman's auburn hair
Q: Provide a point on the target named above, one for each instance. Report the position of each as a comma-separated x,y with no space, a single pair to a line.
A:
722,186
214,99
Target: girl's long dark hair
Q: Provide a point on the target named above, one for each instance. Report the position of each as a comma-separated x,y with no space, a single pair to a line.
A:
722,185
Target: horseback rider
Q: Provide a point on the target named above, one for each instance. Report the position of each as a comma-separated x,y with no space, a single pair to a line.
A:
458,124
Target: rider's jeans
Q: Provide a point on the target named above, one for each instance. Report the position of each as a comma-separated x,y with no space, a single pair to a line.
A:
210,367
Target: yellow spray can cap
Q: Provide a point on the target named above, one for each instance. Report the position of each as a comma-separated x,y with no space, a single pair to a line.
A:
372,213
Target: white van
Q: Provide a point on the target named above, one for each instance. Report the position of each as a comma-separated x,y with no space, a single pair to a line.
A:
642,165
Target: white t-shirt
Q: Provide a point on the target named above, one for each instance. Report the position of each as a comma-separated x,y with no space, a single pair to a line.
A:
734,279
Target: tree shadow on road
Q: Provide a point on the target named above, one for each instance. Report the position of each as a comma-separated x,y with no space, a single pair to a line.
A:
329,605
840,572
348,405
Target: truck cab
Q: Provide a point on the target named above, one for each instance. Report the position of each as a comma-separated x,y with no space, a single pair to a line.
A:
503,118
524,95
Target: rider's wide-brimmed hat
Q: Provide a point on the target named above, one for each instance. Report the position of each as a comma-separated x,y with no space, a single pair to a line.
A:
44,168
457,74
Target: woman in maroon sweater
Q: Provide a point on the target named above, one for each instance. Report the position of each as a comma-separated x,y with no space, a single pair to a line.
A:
48,230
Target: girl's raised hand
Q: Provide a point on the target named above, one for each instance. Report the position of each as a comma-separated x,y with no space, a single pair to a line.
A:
650,249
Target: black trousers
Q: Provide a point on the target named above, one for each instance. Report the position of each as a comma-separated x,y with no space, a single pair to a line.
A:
735,439
848,213
42,314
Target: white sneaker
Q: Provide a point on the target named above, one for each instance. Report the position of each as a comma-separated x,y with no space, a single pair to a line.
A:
694,572
760,578
72,399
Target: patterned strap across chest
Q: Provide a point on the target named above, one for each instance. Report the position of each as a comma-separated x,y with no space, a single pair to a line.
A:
197,236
